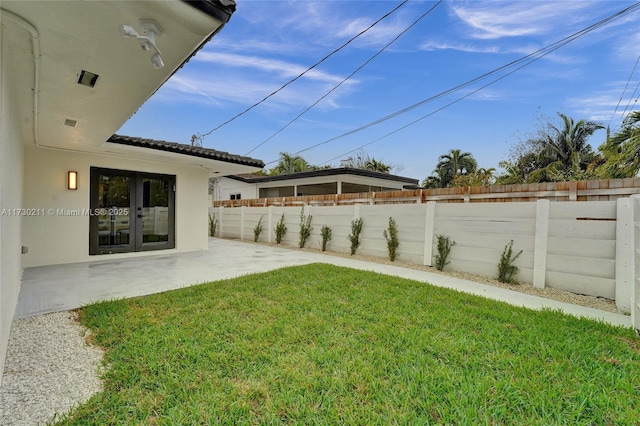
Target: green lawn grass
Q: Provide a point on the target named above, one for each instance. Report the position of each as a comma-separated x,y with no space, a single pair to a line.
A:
319,344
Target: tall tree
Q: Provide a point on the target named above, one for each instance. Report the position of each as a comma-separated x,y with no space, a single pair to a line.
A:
289,164
452,164
568,144
621,152
557,153
362,160
481,177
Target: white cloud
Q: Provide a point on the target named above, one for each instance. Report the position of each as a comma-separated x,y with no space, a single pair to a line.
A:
281,68
245,90
463,47
497,19
600,105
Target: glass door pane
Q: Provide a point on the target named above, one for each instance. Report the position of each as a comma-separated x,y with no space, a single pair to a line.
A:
114,202
131,211
154,205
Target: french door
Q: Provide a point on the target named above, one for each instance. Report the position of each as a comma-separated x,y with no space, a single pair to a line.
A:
131,211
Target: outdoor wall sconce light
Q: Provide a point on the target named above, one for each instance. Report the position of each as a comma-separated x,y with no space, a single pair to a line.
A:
72,180
147,38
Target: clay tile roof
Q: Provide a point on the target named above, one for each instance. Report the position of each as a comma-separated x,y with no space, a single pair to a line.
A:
179,148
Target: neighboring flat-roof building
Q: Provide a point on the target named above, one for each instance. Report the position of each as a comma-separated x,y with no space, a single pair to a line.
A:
316,182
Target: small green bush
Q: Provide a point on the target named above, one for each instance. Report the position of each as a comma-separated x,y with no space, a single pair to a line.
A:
391,235
507,271
281,229
354,237
257,230
444,248
325,232
213,224
305,228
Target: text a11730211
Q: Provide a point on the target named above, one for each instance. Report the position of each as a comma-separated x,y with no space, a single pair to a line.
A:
114,211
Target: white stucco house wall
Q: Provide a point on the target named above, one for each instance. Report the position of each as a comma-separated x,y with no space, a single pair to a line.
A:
71,190
325,181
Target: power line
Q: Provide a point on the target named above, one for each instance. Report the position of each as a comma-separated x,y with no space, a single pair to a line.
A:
202,136
629,103
624,91
347,78
536,55
560,44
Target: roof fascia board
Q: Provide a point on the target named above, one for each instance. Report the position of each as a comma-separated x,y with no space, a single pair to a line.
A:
328,172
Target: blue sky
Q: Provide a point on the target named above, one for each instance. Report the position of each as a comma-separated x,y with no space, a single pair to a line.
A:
267,43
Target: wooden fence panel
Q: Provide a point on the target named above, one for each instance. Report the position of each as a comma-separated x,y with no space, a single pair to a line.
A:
597,190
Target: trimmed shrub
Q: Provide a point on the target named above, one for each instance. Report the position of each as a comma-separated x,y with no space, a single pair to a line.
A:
325,232
305,228
281,229
444,249
257,230
507,271
354,237
391,235
213,224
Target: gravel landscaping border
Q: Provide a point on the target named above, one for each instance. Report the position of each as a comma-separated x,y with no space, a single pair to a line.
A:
49,369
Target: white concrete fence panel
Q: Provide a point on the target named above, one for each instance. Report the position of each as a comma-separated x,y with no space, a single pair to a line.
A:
582,247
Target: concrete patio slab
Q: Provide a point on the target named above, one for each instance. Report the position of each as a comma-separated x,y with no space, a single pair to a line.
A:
63,287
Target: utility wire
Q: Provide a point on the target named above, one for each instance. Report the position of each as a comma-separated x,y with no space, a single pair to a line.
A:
625,90
347,78
441,108
560,44
629,103
202,136
552,47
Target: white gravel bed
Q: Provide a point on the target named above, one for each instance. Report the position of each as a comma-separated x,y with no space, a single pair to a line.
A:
49,369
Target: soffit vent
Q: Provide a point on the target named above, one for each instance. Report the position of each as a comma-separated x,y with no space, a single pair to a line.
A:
71,123
87,78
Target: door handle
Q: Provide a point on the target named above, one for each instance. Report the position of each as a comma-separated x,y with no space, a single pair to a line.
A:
141,215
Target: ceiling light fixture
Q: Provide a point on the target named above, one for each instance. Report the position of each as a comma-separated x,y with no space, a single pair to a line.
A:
150,30
87,78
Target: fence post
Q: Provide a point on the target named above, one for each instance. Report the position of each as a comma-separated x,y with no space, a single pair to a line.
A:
467,195
624,254
270,226
635,294
573,190
540,244
242,211
428,233
220,213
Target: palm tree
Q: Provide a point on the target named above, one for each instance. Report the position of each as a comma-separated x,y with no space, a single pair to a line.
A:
454,163
566,148
622,151
363,161
377,166
289,164
481,177
512,174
